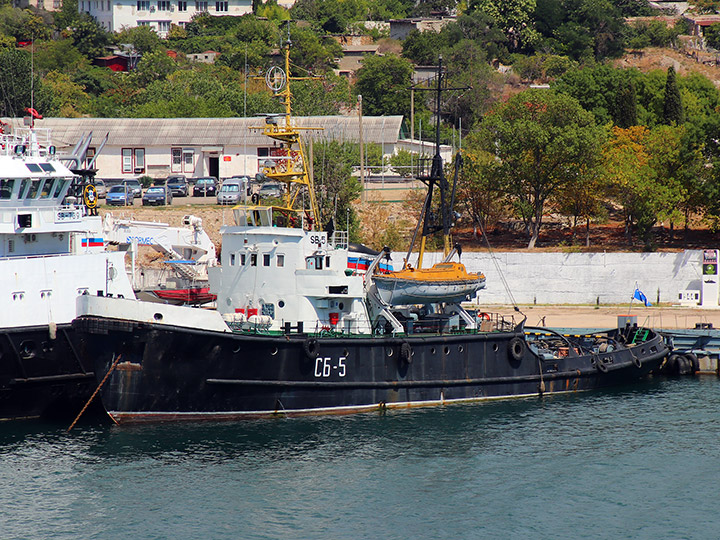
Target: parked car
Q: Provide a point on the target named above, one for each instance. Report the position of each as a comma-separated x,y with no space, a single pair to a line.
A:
205,186
120,195
133,184
178,185
159,195
100,188
231,191
271,190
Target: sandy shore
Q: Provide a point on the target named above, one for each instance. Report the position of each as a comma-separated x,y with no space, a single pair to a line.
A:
606,317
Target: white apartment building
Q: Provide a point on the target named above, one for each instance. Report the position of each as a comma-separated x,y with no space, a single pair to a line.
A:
114,15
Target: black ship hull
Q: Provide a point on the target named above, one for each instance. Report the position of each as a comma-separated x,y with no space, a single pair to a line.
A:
41,374
161,373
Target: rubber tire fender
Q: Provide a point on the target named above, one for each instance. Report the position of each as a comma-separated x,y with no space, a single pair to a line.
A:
635,360
600,365
692,357
311,348
516,348
406,353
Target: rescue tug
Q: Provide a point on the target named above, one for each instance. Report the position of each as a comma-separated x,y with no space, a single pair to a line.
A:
297,332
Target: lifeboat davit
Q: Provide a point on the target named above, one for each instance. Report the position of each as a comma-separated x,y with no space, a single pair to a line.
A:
443,282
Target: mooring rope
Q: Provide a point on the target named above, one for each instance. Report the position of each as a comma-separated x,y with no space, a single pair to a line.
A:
112,368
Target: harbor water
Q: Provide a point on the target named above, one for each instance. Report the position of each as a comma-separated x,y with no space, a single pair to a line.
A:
636,462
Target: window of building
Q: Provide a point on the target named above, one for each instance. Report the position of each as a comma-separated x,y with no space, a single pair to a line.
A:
242,259
281,261
182,5
143,5
253,259
163,5
232,259
221,6
143,23
201,6
133,160
266,259
175,159
163,26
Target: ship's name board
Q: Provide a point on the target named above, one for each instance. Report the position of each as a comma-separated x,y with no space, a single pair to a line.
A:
63,216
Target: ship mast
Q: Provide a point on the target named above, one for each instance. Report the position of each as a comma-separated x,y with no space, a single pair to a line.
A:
290,166
436,176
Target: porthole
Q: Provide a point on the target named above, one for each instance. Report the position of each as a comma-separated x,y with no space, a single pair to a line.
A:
389,351
432,350
461,348
281,303
158,317
341,305
446,350
274,351
495,347
346,353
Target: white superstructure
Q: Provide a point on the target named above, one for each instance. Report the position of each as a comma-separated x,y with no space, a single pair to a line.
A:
51,249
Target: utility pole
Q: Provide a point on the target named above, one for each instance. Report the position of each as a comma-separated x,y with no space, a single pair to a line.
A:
362,150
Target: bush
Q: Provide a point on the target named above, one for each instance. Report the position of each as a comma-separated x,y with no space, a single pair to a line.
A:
146,181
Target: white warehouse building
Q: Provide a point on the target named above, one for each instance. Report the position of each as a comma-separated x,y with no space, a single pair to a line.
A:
220,147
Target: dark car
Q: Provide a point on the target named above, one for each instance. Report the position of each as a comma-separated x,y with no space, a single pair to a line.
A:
178,185
205,187
134,185
120,195
159,195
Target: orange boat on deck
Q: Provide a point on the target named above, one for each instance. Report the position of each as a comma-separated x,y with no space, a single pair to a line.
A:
443,282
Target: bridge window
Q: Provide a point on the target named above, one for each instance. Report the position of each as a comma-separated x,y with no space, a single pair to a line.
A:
280,261
266,259
253,259
6,188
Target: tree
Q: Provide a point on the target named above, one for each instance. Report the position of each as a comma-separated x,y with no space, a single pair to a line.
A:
144,39
626,115
335,186
479,185
19,86
542,140
88,36
672,104
514,17
384,83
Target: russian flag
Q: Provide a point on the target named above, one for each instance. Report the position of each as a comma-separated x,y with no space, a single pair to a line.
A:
92,242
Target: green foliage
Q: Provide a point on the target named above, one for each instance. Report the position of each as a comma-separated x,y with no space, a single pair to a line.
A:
580,29
23,25
480,190
514,17
384,82
335,188
318,98
712,35
146,181
154,66
143,38
541,66
672,103
15,85
69,98
543,141
403,162
272,11
655,33
88,36
60,55
312,53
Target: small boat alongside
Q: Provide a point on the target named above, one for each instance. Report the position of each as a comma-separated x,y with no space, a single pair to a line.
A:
297,332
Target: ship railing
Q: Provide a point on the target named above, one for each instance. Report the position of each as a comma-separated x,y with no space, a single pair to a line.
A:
339,240
21,137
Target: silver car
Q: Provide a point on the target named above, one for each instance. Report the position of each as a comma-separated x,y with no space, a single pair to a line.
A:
231,191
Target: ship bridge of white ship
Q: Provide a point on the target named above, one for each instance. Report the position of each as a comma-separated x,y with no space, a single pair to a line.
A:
276,273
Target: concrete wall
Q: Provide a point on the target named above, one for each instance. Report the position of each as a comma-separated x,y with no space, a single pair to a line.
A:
580,278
